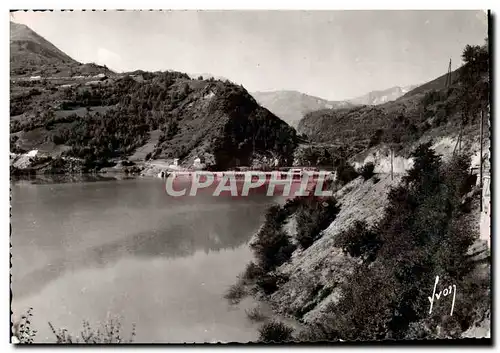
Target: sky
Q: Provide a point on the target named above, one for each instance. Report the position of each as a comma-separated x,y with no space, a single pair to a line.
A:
334,55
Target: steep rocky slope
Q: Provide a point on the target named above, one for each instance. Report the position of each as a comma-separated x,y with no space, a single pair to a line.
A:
312,282
323,265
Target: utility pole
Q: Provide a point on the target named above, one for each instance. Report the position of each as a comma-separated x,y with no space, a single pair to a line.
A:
481,160
448,76
392,162
460,138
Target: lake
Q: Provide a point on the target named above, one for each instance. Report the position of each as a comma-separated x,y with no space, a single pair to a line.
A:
125,249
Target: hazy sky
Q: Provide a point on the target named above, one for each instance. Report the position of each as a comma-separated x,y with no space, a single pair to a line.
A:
330,54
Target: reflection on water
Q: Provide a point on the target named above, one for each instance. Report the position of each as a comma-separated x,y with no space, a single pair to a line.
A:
83,250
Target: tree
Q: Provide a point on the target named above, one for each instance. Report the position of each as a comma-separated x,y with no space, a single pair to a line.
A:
367,170
313,216
359,241
272,246
275,332
345,172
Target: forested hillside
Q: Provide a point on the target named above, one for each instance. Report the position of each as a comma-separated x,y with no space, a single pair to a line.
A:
98,117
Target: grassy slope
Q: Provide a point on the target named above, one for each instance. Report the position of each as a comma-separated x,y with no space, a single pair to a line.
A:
31,54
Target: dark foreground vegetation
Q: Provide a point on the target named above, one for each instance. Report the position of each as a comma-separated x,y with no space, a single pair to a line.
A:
275,332
273,246
426,231
109,333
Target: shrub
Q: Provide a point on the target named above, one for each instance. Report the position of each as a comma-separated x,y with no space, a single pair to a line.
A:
364,310
235,293
376,138
252,272
291,205
269,283
272,246
274,215
313,333
22,329
313,216
367,171
359,241
255,314
275,332
109,334
58,139
346,172
127,163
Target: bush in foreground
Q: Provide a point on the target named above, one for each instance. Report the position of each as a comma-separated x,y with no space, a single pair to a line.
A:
111,332
272,246
252,272
346,172
359,241
256,314
270,282
424,233
367,170
275,332
235,293
22,329
313,216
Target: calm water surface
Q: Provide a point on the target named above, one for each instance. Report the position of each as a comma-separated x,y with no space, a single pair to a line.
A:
124,249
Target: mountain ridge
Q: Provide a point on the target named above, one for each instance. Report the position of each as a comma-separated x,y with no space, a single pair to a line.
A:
430,110
20,33
67,114
32,54
382,96
292,105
